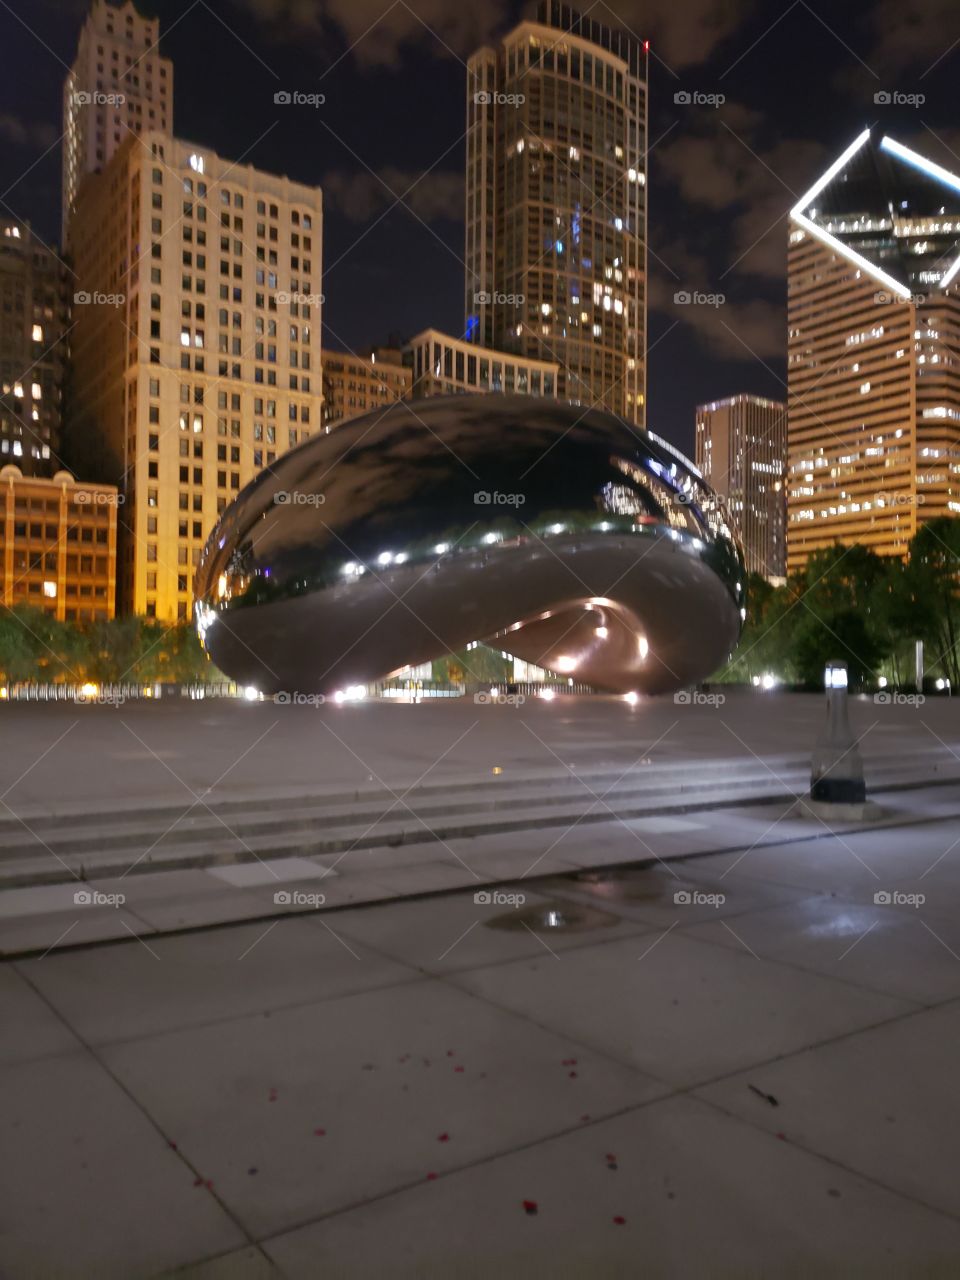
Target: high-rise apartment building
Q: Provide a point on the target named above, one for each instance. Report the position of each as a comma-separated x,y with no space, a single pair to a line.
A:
33,321
58,545
196,346
556,206
741,448
118,84
874,351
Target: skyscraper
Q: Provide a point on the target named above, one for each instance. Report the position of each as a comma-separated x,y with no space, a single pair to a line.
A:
33,313
741,448
556,204
118,84
196,345
874,351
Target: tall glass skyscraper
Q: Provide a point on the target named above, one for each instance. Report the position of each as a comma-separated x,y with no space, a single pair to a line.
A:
556,217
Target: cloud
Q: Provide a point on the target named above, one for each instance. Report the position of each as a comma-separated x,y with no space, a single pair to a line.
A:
912,35
729,327
724,166
681,34
361,196
22,133
376,32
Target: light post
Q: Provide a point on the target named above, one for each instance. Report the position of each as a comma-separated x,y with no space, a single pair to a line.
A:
836,774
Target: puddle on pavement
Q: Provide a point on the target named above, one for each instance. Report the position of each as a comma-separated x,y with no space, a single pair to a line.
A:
554,917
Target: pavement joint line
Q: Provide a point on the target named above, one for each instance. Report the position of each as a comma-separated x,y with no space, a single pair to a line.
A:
426,894
154,1124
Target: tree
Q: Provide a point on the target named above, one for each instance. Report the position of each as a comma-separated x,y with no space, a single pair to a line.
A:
934,577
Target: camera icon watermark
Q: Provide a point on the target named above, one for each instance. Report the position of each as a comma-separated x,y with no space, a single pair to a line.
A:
298,498
284,299
894,98
696,698
94,498
694,98
883,296
697,898
893,698
294,98
486,498
492,298
84,298
695,298
897,898
297,699
94,98
498,898
298,898
486,98
497,699
94,898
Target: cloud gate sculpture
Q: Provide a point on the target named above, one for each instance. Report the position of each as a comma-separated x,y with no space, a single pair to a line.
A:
564,537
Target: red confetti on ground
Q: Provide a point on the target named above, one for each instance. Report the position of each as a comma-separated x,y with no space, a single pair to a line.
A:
198,1182
451,1054
443,1137
572,1075
320,1133
431,1176
610,1157
208,1184
173,1145
584,1119
273,1095
782,1137
459,1068
569,1062
619,1221
530,1206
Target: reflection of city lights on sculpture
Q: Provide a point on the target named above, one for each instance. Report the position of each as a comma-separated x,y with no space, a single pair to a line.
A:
278,607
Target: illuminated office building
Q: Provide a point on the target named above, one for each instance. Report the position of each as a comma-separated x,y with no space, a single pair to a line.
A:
556,204
353,385
118,84
874,351
741,449
58,545
33,321
196,346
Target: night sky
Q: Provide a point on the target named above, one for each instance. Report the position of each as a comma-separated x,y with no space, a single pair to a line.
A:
799,82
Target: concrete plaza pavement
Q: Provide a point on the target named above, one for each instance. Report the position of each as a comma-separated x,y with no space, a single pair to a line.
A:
731,1064
670,1037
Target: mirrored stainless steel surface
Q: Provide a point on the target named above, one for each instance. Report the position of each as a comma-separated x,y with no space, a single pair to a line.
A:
562,536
